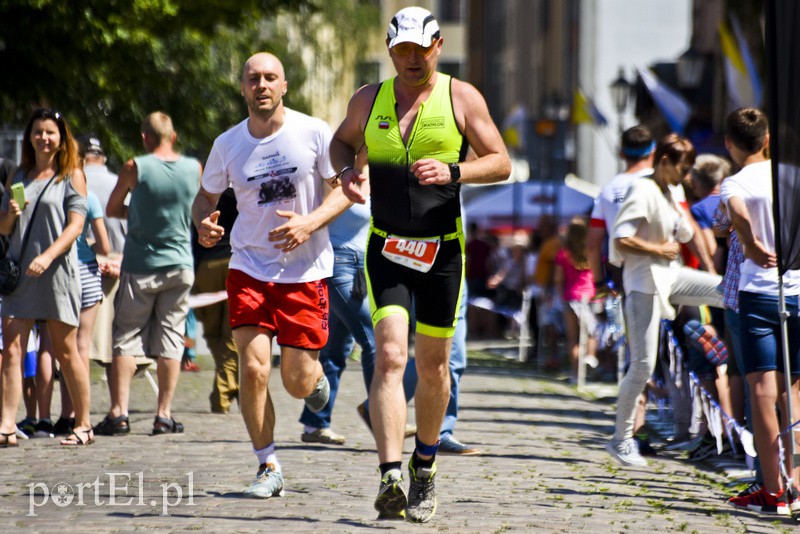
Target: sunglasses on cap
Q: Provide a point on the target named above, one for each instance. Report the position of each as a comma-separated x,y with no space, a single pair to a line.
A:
47,113
405,49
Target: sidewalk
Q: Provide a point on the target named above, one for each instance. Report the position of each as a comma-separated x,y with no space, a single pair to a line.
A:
543,470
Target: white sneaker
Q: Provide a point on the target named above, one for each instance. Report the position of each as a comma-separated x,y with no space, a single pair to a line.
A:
626,452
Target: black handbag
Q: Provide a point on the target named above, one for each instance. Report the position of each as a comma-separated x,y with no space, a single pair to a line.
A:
9,276
9,269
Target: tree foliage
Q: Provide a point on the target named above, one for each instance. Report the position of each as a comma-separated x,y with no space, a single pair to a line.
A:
107,63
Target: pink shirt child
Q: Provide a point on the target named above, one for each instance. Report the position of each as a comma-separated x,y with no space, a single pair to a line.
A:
578,283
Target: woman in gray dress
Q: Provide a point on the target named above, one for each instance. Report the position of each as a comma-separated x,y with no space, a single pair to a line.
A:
49,288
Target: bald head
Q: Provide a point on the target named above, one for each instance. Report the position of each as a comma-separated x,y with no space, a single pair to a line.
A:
262,61
263,85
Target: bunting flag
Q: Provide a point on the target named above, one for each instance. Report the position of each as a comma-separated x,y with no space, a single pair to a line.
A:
741,77
675,109
717,418
514,128
584,110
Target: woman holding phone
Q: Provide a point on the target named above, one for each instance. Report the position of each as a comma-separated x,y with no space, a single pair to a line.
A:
42,233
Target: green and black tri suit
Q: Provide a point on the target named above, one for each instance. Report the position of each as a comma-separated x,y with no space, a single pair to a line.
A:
402,207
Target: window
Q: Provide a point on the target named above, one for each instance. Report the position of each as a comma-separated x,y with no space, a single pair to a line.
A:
367,72
450,11
451,67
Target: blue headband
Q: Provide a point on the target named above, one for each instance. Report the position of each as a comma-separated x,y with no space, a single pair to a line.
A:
638,152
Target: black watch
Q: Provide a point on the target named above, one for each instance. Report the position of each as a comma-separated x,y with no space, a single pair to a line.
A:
455,172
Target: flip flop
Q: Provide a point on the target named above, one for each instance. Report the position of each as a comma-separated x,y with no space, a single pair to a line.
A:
74,439
7,440
710,345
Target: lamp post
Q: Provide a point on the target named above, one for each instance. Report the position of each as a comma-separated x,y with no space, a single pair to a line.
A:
690,69
620,94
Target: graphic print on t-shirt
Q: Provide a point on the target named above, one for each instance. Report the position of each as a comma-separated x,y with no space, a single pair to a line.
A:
279,186
278,190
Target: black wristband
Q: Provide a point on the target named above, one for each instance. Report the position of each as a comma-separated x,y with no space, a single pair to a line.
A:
348,168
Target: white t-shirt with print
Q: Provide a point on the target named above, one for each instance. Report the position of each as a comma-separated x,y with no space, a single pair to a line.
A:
282,172
753,185
606,205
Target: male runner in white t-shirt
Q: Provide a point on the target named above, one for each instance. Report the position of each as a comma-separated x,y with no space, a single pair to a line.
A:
277,163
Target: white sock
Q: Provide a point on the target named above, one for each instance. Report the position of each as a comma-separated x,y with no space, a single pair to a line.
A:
267,456
310,429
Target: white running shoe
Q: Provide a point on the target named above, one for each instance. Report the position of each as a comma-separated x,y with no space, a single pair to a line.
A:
626,452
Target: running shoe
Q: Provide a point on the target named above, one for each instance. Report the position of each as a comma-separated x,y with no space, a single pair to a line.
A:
391,500
27,426
763,502
323,435
44,429
320,396
793,497
421,493
268,483
755,487
448,444
645,447
706,449
626,452
64,426
683,443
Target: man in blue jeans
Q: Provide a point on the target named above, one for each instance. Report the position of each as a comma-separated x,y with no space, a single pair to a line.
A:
349,318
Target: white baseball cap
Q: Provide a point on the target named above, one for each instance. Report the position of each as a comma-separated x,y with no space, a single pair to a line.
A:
413,25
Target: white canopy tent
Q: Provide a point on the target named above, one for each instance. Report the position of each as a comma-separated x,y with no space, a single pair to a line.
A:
521,204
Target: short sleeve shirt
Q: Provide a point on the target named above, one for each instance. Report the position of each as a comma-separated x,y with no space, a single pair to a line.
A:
94,211
753,185
282,172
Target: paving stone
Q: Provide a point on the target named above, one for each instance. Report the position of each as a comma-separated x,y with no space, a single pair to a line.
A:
544,469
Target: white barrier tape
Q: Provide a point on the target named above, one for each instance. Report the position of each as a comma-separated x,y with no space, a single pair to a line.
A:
207,299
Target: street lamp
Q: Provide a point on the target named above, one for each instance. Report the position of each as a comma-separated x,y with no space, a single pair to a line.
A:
690,67
620,94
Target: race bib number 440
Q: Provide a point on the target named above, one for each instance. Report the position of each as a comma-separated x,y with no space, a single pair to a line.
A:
417,254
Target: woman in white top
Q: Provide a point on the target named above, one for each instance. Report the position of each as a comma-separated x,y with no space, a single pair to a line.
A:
649,227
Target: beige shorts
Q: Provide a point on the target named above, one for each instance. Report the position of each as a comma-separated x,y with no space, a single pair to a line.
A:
150,314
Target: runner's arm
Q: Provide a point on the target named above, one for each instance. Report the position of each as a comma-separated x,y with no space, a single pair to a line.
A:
348,140
205,218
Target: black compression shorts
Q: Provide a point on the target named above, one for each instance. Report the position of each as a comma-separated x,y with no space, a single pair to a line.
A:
436,294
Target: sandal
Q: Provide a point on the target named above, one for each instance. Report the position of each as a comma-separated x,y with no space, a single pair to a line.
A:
113,426
74,439
7,441
162,425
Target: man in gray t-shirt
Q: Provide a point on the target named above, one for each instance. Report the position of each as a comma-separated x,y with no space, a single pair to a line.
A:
101,181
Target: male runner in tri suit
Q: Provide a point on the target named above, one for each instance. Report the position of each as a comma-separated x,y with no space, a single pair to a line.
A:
417,128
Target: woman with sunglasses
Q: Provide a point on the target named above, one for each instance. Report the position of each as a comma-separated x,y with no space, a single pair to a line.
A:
649,227
49,287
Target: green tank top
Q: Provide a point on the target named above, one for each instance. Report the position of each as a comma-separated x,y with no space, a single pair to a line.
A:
399,204
160,215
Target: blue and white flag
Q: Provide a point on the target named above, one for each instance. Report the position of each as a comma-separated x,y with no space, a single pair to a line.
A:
675,109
